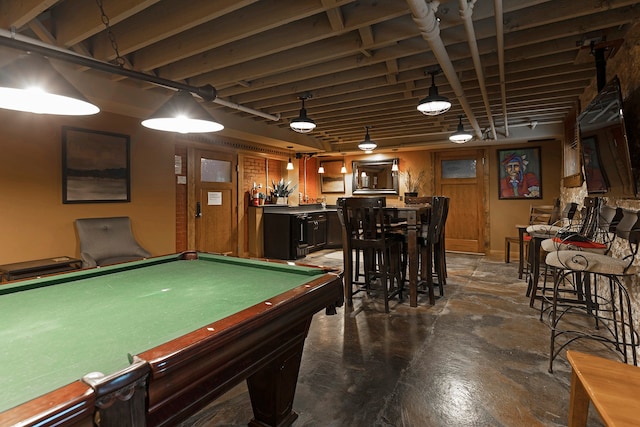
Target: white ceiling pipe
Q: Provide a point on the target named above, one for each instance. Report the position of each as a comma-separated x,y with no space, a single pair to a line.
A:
239,107
424,15
466,13
497,6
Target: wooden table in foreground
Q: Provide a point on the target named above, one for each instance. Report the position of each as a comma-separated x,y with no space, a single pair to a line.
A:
613,387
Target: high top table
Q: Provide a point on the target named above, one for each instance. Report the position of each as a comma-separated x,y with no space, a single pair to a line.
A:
410,215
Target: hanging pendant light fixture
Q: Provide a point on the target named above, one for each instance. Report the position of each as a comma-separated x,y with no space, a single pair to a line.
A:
31,84
460,136
302,123
394,166
434,104
289,163
367,145
321,169
183,114
343,169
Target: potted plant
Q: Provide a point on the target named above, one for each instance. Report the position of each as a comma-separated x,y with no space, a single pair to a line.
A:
413,181
280,191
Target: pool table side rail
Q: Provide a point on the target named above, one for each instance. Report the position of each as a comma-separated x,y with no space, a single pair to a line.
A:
264,323
72,404
87,273
204,364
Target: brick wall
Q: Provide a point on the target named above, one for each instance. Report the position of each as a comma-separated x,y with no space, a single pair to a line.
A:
254,171
181,203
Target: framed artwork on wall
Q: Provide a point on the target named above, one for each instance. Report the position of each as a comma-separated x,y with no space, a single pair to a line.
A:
95,166
519,172
332,180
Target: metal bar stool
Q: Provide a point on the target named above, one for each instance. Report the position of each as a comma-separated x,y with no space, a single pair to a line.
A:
603,299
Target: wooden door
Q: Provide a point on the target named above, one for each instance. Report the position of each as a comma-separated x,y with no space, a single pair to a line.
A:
460,176
213,202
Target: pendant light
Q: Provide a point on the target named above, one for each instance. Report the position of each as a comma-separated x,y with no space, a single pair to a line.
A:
31,84
434,104
343,169
302,123
367,145
289,163
321,169
460,136
394,166
183,114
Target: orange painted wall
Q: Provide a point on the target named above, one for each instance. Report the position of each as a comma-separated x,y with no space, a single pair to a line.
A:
34,223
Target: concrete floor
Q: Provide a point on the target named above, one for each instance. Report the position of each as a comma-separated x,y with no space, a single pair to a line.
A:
478,357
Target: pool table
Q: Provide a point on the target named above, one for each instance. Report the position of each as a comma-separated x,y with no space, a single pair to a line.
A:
154,341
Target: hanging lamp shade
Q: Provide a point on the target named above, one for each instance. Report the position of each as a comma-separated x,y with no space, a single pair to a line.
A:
302,123
434,104
31,84
394,166
321,169
183,114
460,136
367,145
289,163
343,169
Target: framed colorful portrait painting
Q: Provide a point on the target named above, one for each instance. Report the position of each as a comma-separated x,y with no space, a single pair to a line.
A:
520,175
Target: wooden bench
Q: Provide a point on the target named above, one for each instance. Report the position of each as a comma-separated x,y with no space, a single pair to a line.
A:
39,267
613,387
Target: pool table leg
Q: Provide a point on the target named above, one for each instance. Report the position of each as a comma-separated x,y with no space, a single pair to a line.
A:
272,388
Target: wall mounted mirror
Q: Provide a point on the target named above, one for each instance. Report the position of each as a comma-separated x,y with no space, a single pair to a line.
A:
374,177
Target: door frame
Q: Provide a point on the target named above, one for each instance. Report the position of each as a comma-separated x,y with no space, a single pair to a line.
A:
482,177
191,192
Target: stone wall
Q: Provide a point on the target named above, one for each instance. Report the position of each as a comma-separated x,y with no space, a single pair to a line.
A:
626,65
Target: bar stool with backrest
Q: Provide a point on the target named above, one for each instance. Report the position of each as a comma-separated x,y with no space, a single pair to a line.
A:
366,231
538,214
430,262
566,239
439,248
603,299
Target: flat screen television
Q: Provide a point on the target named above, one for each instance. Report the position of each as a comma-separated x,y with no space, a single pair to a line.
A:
606,148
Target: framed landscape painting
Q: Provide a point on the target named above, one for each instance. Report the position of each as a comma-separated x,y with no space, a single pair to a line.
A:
95,166
332,180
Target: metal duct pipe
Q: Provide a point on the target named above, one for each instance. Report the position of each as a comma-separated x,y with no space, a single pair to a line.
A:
466,13
206,92
424,15
497,6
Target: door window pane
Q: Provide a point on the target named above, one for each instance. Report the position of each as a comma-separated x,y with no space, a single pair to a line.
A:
215,170
465,168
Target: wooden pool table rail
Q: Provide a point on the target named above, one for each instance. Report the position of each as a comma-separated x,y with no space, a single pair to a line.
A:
261,344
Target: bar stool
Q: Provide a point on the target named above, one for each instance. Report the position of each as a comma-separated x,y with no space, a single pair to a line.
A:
600,243
431,263
598,294
366,231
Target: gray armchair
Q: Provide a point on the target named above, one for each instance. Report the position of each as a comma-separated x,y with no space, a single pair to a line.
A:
106,241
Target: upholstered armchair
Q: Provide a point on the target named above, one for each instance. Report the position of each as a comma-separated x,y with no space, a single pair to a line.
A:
106,241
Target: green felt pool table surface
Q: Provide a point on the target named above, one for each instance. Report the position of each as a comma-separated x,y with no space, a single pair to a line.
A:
57,329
